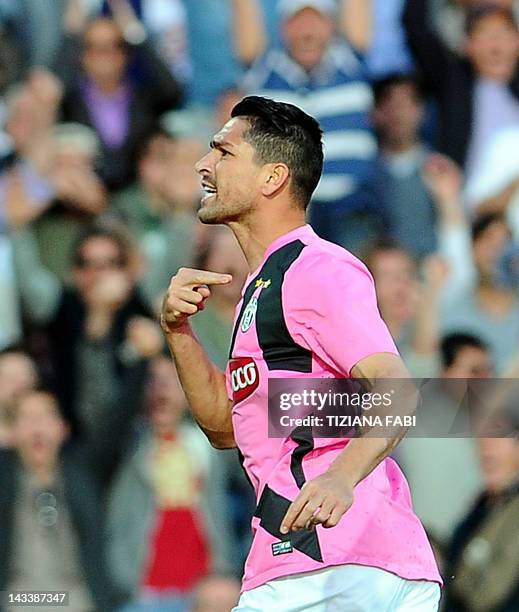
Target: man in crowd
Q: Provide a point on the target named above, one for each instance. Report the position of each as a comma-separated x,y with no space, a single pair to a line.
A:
99,334
167,521
51,512
400,193
441,494
103,93
321,73
477,95
482,555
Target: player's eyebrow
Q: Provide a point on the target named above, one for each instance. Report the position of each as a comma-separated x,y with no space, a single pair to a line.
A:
220,145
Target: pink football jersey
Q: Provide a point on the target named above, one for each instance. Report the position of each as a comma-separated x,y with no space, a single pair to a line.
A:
310,311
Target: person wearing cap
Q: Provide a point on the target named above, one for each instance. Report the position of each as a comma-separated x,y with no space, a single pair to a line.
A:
477,94
322,72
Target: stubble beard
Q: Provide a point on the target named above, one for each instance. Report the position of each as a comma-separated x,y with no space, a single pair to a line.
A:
219,213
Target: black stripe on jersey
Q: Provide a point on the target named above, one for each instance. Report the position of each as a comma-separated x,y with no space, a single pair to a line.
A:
246,299
272,506
241,459
305,443
271,509
279,349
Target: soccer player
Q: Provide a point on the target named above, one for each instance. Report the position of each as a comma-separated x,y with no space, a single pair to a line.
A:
334,527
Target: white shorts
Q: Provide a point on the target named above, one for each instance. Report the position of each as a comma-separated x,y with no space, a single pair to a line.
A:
342,588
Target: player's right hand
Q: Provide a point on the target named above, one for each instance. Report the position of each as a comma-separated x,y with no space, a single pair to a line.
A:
186,295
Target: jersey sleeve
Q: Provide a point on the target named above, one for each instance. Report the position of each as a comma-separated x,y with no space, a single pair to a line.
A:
330,308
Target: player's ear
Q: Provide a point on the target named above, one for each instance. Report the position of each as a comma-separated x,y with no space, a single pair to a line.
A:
275,178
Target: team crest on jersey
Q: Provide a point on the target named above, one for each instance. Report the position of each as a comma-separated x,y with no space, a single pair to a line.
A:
249,314
244,377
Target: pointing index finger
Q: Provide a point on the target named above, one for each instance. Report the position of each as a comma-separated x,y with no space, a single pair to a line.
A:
203,277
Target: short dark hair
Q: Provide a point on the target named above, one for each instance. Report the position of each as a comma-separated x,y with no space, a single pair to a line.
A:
452,344
381,86
385,245
112,232
281,132
478,12
483,222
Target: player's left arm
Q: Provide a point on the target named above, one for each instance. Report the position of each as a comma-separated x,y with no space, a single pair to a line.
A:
325,499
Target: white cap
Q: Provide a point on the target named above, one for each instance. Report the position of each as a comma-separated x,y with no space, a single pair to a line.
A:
287,8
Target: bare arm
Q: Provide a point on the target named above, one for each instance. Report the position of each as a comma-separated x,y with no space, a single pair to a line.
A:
203,383
249,30
444,180
427,328
325,499
356,23
499,202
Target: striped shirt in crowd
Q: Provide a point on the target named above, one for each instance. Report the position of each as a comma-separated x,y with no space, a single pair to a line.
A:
337,93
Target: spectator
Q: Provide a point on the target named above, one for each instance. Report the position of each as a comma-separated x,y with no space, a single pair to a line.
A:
51,512
25,187
164,521
489,309
79,195
107,97
100,338
321,73
440,494
159,209
400,190
395,275
220,252
18,374
215,593
477,95
475,297
483,567
449,18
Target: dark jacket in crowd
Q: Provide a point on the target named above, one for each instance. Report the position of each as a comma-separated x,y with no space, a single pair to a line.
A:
482,565
153,91
450,78
85,506
66,333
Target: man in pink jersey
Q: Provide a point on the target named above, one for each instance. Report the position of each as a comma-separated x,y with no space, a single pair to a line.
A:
334,527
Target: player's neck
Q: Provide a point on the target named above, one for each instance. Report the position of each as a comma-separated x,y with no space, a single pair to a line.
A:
256,236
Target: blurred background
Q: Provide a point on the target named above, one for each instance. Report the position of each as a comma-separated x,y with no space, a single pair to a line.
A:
107,488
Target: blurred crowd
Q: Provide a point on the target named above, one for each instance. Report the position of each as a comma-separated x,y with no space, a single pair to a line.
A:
107,488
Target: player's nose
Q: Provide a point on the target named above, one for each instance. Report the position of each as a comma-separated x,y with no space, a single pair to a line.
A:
203,165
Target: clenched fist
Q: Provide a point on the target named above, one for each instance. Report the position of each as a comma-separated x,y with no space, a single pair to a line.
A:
186,295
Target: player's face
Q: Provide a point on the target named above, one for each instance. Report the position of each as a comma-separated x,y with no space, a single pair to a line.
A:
493,47
231,177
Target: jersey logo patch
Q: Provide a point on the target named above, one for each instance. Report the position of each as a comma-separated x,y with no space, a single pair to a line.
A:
249,314
244,377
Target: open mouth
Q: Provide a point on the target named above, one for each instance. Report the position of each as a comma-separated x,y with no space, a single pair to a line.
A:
209,189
